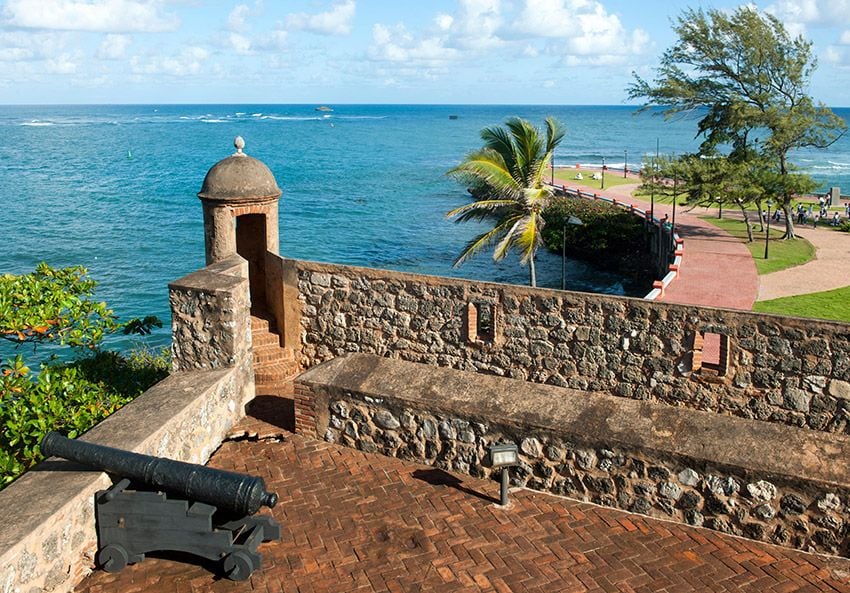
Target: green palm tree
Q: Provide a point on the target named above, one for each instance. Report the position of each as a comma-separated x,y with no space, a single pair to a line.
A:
506,179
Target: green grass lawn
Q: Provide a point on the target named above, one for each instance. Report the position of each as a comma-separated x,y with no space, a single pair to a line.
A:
567,177
831,304
782,254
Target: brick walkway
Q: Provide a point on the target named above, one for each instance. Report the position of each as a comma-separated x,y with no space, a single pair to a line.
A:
357,522
717,270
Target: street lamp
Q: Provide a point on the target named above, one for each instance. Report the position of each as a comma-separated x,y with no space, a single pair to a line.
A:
603,173
571,220
767,234
503,456
625,163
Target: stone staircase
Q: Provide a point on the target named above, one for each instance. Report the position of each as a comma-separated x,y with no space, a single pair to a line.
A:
275,368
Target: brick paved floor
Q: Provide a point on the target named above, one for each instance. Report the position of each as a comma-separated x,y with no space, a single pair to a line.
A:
357,522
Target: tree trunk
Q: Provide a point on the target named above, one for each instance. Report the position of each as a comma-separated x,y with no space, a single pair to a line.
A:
761,218
531,272
789,220
743,208
786,202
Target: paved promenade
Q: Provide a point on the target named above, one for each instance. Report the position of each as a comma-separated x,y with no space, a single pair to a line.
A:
828,271
367,523
717,269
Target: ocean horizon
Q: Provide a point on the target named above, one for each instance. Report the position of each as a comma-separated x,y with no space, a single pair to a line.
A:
113,187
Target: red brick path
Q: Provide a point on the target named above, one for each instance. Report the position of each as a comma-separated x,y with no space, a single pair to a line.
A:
357,522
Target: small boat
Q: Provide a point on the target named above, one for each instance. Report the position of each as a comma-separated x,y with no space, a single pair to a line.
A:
323,108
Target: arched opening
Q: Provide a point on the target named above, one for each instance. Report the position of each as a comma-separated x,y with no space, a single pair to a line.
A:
251,244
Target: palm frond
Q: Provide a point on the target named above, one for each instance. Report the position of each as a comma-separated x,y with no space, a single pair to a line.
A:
480,242
508,240
554,134
479,209
529,236
487,166
498,139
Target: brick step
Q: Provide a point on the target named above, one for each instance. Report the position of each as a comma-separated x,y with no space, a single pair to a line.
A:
285,389
275,374
264,338
270,356
262,324
275,351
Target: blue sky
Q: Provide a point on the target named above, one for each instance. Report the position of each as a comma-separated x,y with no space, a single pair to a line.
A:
364,51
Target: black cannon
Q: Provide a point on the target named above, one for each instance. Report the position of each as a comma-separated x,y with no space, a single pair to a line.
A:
160,504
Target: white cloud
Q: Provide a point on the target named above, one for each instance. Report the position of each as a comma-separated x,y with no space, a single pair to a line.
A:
796,15
236,18
63,64
477,24
240,44
474,27
190,61
588,34
113,47
15,54
397,44
115,16
444,21
336,21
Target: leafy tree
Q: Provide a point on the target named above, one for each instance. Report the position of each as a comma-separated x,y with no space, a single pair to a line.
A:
748,77
56,306
507,175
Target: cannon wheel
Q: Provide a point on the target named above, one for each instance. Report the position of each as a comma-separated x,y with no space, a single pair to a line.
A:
112,558
238,566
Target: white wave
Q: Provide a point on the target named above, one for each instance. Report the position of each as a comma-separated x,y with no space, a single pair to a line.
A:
290,118
256,115
214,121
38,124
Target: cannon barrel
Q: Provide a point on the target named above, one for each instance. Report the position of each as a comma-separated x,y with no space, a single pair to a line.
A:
229,491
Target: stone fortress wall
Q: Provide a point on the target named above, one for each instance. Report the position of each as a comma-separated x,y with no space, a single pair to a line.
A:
780,370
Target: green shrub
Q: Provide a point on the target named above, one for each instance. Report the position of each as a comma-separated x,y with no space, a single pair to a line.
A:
610,237
56,306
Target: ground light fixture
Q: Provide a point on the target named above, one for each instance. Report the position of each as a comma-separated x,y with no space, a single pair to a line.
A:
504,455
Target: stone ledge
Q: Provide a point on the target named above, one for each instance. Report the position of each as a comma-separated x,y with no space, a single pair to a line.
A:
222,276
48,540
787,486
747,444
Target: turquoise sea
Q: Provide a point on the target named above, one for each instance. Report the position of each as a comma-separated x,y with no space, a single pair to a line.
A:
114,187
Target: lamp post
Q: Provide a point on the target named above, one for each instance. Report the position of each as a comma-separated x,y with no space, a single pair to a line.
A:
655,178
673,222
767,233
603,173
625,163
553,167
571,220
504,456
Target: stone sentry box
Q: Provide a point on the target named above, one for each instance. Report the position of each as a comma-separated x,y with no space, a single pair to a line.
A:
764,481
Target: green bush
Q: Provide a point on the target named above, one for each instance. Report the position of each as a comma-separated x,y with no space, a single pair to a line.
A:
56,306
610,237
